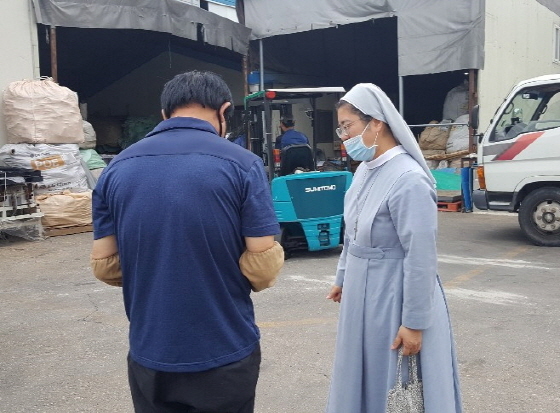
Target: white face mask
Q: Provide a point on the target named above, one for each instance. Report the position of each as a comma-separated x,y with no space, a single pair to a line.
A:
357,150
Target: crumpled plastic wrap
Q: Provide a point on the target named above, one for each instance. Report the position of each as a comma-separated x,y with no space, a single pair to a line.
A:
30,229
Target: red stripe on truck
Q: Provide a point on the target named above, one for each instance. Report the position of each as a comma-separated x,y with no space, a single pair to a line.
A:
518,146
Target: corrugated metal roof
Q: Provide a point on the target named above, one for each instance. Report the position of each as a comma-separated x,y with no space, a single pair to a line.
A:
225,2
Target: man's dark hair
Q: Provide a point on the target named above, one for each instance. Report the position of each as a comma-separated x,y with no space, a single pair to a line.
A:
287,121
204,88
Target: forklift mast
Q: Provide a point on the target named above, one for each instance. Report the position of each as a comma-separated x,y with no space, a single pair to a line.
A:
258,117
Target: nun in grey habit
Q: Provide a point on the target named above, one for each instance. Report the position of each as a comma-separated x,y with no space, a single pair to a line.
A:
386,281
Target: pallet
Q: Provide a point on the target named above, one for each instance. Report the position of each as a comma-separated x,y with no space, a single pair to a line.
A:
449,196
450,206
54,232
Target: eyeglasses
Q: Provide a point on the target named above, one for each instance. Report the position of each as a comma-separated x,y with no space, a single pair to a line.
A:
342,130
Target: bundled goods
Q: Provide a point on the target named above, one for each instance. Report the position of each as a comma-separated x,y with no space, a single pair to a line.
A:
455,163
451,163
45,131
65,210
459,136
60,165
90,138
41,111
456,102
94,162
432,153
434,137
44,127
92,159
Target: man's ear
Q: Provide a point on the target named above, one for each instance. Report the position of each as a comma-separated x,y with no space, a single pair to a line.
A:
163,115
222,118
222,111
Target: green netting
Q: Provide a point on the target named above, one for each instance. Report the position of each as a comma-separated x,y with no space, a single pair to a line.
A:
447,180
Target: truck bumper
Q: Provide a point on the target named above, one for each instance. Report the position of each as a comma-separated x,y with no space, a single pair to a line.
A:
479,199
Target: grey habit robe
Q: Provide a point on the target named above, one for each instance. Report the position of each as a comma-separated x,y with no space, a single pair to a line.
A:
389,277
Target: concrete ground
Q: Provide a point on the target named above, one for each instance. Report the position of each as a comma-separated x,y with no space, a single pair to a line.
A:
63,334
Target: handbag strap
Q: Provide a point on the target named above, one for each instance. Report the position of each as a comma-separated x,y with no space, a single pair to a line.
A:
399,367
412,368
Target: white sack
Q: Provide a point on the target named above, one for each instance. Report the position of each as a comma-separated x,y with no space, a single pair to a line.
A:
41,111
90,139
459,136
60,165
456,102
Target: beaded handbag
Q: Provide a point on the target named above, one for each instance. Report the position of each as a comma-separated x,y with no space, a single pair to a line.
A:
406,397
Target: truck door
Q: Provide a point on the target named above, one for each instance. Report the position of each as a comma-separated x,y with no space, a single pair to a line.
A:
525,139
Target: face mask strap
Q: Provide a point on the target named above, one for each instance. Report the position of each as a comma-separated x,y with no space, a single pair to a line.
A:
361,135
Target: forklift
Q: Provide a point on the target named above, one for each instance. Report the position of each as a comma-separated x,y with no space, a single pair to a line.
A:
309,204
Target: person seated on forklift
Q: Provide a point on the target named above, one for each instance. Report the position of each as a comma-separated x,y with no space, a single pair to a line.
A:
289,135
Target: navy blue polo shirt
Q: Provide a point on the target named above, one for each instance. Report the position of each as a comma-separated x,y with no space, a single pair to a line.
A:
293,137
180,202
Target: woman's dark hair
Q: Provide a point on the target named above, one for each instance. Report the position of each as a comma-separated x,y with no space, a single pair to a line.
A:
343,104
204,88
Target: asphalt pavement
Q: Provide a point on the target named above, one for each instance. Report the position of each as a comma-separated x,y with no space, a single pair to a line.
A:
63,334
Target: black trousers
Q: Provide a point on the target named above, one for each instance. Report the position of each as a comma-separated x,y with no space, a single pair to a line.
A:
226,389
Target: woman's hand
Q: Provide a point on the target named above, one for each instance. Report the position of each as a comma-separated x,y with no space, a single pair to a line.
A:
335,294
410,339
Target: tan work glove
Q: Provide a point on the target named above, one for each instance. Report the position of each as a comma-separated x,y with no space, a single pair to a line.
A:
262,268
108,269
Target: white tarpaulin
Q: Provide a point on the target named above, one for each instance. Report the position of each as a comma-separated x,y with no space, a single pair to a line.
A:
168,16
433,35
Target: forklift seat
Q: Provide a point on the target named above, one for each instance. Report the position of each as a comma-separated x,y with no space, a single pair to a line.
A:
296,156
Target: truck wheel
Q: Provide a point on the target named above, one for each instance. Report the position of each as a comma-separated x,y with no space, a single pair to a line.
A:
539,216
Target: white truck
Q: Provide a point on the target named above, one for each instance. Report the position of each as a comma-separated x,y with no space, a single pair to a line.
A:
518,160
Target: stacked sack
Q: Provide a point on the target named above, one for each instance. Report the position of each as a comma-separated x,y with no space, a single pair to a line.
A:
433,141
458,140
45,129
456,109
90,158
445,140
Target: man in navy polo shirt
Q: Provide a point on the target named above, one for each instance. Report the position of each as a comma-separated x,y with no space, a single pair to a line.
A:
289,135
184,222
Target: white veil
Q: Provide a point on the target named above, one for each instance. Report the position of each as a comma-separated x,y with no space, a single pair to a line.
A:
372,101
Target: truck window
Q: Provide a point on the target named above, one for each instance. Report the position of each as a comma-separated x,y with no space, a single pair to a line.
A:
532,109
550,115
